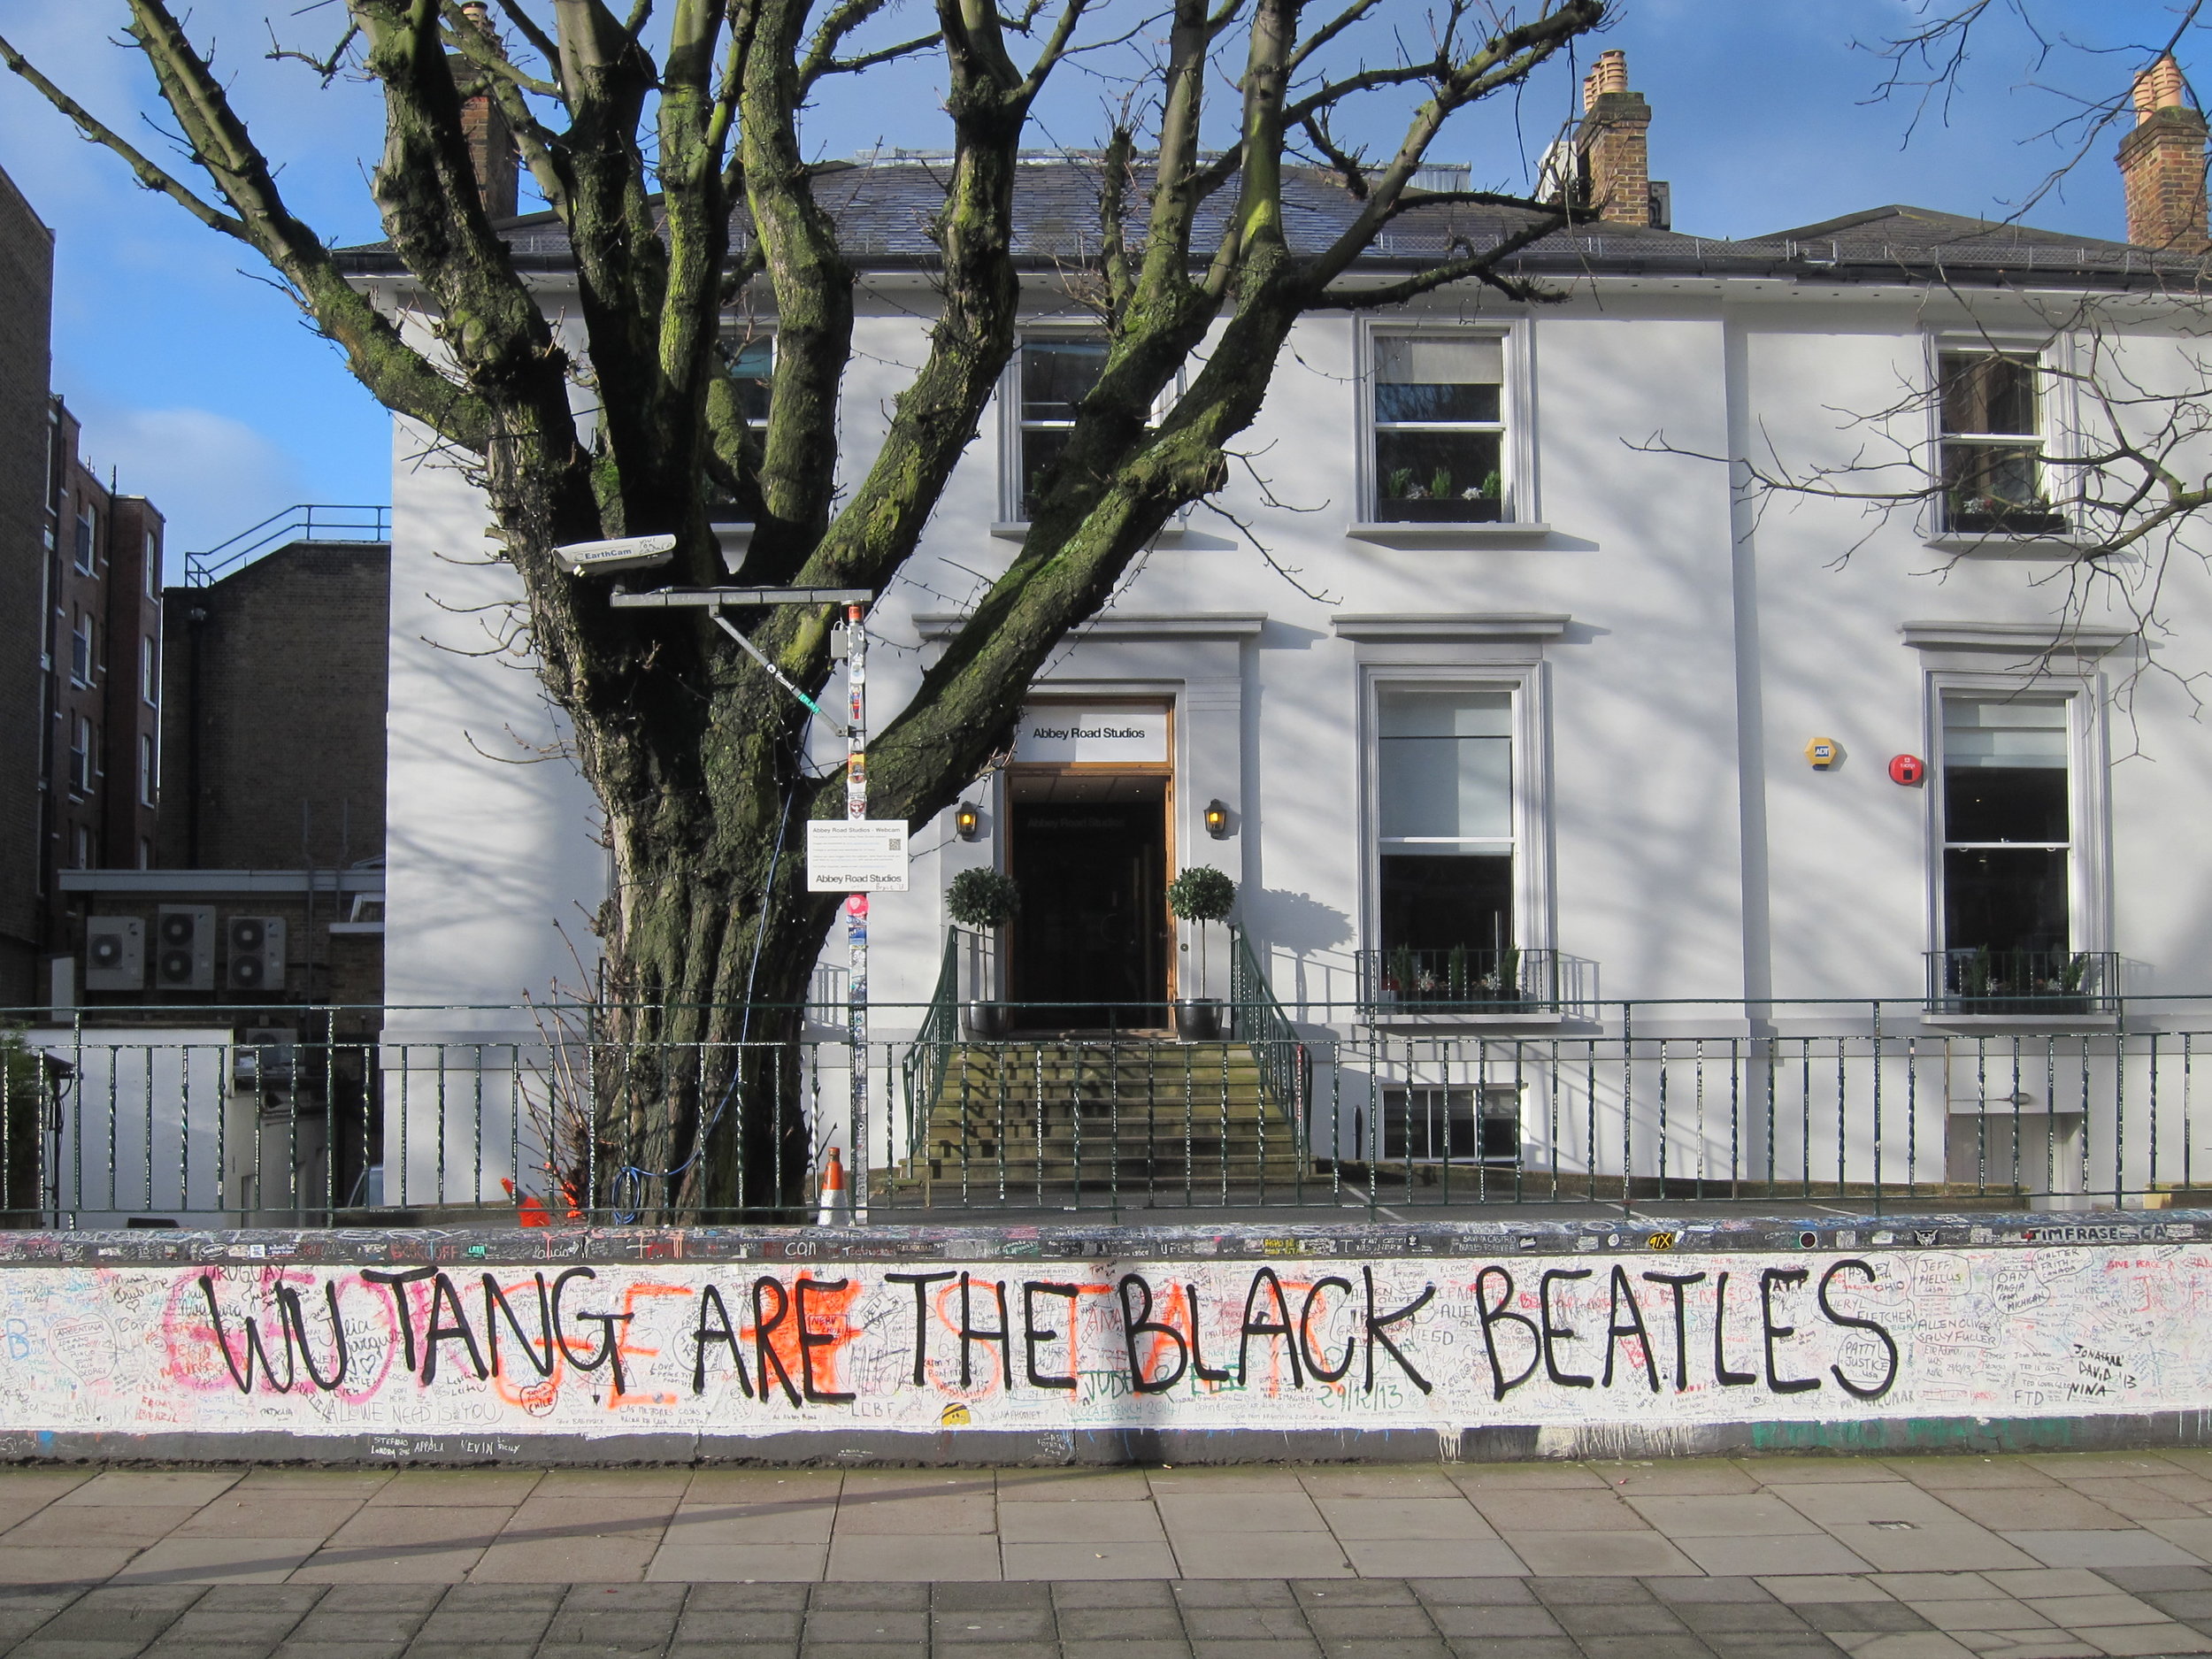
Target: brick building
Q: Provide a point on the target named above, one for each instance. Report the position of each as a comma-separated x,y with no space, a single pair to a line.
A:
274,692
27,274
102,648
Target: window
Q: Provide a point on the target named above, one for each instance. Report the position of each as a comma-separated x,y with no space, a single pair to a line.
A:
1056,376
2008,837
1994,481
80,756
153,565
147,776
81,649
1445,843
1434,1123
145,854
1439,429
148,680
82,849
750,357
85,530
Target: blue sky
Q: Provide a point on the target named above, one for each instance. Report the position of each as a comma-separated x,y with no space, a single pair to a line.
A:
201,388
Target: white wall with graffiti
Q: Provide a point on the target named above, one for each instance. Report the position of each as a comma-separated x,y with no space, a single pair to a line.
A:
749,1348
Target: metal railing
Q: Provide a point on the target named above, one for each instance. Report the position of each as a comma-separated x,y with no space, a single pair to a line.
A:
304,521
2031,984
1468,979
922,1071
445,1116
1284,1066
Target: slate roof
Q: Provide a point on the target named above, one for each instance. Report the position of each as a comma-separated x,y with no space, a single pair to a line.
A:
884,210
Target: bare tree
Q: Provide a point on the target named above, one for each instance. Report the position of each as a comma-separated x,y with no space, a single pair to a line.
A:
679,176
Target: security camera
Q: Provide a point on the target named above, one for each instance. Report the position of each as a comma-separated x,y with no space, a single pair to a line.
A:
608,558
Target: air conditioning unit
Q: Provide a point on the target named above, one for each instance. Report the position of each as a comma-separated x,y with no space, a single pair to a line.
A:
267,1057
256,961
114,952
184,947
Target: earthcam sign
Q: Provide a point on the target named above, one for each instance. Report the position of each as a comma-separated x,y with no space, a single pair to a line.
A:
755,1346
1088,734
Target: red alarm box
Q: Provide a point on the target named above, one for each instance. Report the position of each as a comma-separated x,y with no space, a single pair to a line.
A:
1907,769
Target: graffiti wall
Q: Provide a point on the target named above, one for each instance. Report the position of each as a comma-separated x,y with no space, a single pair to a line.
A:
249,1338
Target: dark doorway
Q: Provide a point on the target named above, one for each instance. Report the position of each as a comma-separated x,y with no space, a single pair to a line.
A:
1089,948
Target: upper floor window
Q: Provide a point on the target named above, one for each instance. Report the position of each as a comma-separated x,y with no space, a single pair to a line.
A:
1994,476
148,778
80,751
81,649
1439,429
148,683
153,565
750,356
86,528
1056,375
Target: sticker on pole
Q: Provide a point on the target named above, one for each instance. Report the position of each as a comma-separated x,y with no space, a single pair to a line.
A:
860,854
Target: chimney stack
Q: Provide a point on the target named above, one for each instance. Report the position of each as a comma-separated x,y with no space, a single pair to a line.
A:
1612,157
491,145
2161,164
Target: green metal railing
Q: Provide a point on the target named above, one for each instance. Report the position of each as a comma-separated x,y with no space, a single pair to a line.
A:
1286,1072
923,1068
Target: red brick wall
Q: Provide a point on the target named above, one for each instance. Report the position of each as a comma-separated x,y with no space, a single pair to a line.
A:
26,268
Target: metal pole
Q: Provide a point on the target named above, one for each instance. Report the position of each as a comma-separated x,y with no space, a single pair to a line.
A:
857,903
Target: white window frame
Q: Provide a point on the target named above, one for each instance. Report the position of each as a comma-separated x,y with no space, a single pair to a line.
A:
83,645
149,668
1516,453
153,565
1534,906
148,769
2089,874
84,553
751,332
83,741
1012,427
2058,406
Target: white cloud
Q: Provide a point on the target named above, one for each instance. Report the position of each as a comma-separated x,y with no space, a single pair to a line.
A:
211,476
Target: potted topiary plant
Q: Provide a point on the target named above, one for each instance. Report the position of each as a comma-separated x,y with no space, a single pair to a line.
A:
985,901
1200,894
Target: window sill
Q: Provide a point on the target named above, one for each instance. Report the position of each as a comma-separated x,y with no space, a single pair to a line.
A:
1527,1018
2021,1022
2058,545
342,928
1448,535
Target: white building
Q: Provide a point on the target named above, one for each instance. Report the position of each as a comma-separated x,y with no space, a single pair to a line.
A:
1544,686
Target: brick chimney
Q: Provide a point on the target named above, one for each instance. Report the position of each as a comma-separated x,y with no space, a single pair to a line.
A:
2161,164
491,146
1612,158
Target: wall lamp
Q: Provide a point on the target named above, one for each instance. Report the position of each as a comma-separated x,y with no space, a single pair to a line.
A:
1216,821
967,823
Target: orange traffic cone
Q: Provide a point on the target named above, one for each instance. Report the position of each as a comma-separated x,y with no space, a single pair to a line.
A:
835,1205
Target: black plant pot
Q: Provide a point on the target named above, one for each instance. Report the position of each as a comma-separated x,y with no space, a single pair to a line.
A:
986,1021
1198,1020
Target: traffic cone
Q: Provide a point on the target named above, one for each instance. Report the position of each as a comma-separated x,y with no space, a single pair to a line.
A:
835,1205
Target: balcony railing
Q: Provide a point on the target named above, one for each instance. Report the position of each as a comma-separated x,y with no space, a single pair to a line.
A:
1467,980
2028,983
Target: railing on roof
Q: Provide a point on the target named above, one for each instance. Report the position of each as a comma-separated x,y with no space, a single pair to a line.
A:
303,521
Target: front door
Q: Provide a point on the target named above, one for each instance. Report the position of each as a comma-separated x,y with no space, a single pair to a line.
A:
1089,946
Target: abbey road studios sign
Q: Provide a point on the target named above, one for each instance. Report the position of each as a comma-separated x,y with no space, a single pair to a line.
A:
859,854
1091,734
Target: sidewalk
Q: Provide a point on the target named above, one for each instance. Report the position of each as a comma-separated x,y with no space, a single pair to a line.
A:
2032,1557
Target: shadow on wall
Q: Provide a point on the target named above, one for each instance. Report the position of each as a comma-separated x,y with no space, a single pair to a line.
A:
1301,928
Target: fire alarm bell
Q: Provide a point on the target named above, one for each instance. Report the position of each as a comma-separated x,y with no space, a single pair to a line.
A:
1821,753
1907,769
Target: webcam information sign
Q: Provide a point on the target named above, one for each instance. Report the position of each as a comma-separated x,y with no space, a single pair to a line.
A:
862,855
